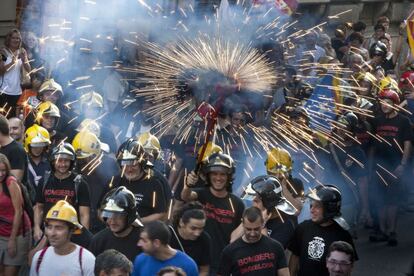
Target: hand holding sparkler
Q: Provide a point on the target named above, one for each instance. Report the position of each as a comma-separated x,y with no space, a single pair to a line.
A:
192,179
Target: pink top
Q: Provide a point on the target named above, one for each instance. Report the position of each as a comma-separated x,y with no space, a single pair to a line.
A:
7,214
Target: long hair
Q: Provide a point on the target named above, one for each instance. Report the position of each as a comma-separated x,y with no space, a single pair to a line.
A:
5,161
7,39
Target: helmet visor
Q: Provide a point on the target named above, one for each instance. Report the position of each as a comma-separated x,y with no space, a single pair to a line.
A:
112,214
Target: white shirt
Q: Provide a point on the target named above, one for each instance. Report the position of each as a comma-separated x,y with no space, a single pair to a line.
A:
66,265
10,81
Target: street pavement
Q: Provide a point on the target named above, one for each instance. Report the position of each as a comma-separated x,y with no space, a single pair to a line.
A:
378,259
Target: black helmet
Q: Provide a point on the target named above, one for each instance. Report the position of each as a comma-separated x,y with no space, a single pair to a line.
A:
349,120
220,162
130,151
330,197
270,191
63,150
121,201
378,49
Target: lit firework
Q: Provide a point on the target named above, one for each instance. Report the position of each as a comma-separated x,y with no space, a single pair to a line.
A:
195,78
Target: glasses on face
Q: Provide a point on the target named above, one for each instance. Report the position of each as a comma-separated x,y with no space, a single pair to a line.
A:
339,263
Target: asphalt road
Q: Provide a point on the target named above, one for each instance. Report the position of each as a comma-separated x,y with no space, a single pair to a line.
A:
378,259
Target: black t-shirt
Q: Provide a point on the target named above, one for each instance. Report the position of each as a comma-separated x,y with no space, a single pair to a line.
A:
105,239
392,130
198,250
264,257
282,231
223,216
60,189
311,243
83,239
152,194
16,156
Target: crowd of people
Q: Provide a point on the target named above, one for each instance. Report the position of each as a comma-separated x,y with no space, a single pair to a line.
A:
89,189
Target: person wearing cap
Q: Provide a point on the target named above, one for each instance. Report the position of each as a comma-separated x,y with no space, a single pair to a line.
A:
50,91
312,238
223,209
265,193
36,144
390,161
61,183
119,211
98,168
253,253
62,257
151,189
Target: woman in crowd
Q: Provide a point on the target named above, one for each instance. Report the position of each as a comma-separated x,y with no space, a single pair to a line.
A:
14,223
13,59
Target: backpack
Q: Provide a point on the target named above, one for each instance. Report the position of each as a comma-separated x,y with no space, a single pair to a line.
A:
77,181
27,203
43,252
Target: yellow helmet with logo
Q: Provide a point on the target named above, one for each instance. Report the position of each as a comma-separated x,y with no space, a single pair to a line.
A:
90,125
86,144
278,160
46,108
388,83
210,149
36,136
63,211
150,143
91,99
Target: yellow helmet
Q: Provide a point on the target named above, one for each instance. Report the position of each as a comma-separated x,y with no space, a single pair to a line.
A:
366,76
46,108
86,144
90,125
210,149
150,143
278,160
388,83
36,136
63,211
91,99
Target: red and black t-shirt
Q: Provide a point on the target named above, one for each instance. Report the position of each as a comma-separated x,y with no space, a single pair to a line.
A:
223,216
264,257
62,189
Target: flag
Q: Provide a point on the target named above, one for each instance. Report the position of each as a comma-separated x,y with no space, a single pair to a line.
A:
410,33
321,105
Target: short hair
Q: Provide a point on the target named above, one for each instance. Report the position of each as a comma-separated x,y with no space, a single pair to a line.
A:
342,246
379,26
158,230
359,26
190,210
172,269
112,259
252,214
4,125
383,19
384,37
356,36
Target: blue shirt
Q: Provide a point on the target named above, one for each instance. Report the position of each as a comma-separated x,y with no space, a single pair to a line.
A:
145,265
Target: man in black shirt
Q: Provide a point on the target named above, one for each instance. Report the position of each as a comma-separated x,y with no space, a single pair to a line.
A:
98,168
61,183
13,150
253,253
124,226
188,235
313,237
279,221
223,209
151,189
